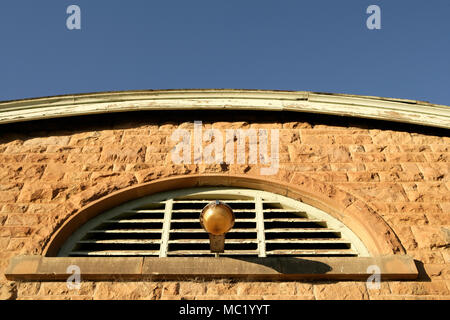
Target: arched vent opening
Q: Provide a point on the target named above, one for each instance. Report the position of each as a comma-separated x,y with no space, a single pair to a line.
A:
167,225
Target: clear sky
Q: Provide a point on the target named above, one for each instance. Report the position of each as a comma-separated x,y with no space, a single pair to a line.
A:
312,45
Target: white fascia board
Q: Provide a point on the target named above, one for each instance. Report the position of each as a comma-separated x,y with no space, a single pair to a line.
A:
398,110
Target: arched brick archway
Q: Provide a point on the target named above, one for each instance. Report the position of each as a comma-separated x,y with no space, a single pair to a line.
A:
352,211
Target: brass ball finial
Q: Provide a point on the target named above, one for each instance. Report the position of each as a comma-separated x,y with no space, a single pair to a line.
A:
217,218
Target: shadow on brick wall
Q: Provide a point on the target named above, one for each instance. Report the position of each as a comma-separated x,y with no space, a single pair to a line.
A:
127,120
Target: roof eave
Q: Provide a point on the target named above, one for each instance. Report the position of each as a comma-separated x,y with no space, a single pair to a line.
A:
398,110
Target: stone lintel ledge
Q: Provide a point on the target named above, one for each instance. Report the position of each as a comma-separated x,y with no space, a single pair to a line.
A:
389,109
392,267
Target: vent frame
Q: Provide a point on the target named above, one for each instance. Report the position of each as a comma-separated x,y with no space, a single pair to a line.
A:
232,195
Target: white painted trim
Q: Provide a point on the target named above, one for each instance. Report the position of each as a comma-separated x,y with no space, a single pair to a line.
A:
399,110
259,215
165,234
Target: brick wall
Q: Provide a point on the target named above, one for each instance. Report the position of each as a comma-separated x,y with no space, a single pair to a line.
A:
50,169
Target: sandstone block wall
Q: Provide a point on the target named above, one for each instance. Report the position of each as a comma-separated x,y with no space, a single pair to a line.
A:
50,169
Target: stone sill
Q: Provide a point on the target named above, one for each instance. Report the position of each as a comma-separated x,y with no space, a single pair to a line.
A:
392,267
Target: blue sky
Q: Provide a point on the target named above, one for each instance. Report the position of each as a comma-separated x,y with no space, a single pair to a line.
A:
312,45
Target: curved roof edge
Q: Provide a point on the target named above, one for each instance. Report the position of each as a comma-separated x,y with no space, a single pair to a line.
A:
398,110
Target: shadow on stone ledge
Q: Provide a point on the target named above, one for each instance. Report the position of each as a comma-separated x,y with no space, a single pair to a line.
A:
289,265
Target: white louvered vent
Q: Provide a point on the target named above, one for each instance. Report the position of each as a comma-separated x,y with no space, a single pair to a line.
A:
167,225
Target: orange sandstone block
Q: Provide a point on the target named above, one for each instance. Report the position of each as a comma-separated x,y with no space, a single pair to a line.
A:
419,288
368,157
363,176
317,139
341,291
429,237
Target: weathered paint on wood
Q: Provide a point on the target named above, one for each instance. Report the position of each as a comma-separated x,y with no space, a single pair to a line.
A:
398,110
